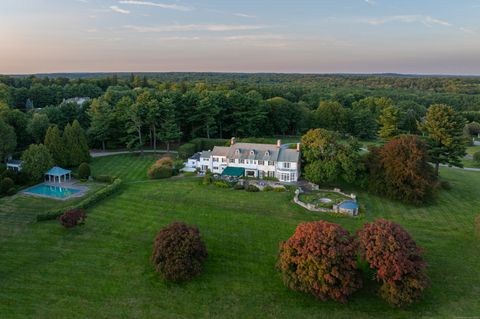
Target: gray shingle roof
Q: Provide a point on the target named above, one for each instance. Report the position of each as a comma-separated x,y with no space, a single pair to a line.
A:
259,152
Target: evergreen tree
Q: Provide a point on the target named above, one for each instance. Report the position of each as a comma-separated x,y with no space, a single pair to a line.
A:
38,127
169,130
56,145
76,144
8,140
443,129
388,121
100,113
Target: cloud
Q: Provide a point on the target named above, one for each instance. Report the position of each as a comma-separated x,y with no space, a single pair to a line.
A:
467,30
244,15
425,20
119,10
157,4
255,37
194,27
371,2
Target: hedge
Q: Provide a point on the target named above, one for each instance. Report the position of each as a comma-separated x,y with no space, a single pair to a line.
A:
86,203
186,150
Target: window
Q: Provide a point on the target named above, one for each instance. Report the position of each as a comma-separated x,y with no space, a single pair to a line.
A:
237,152
215,159
285,177
267,153
215,168
286,165
261,162
224,160
232,160
292,176
242,161
252,152
271,163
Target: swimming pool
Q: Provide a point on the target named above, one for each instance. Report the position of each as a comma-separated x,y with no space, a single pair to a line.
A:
52,191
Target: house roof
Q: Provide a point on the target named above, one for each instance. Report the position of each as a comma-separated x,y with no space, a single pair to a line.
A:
233,171
220,151
14,162
262,152
195,156
58,171
205,154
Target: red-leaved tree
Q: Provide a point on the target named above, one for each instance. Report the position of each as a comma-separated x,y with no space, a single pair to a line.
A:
392,252
72,218
178,252
320,259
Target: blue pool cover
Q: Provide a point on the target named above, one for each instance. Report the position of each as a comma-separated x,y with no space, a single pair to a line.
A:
349,204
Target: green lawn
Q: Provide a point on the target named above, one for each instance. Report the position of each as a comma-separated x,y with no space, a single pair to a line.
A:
102,270
25,208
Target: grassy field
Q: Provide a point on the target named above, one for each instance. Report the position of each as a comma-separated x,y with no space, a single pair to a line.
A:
25,208
102,270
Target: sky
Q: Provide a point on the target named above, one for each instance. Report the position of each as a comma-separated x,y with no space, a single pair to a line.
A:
304,36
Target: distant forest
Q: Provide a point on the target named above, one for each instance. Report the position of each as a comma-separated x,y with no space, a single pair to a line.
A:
136,110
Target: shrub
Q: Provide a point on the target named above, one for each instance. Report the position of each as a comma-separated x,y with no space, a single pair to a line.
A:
84,171
268,188
238,186
207,179
104,178
72,218
178,252
6,185
390,250
320,259
221,184
251,188
476,157
158,172
279,189
186,150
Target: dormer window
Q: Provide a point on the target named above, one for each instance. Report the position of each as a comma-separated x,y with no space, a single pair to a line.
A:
237,152
267,153
252,152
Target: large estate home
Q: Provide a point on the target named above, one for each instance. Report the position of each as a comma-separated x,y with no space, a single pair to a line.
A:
249,159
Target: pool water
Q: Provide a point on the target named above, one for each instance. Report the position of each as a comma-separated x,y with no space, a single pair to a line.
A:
52,191
349,204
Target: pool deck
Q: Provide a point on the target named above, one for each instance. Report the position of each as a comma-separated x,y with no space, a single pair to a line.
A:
73,184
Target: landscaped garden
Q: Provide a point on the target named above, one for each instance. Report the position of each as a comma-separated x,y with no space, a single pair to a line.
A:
323,199
103,269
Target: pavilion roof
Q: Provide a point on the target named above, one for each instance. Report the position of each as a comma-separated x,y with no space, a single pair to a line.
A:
58,171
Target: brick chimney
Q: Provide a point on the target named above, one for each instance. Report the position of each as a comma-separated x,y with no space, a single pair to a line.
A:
279,143
232,141
298,147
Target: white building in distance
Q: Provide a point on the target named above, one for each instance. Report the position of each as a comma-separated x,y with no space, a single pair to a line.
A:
249,159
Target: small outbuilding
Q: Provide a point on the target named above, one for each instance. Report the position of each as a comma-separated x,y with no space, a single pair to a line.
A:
58,173
14,165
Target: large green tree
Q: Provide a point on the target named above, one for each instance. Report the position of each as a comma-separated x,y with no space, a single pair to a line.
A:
8,140
388,122
169,131
38,127
36,160
57,146
443,131
100,113
76,144
332,115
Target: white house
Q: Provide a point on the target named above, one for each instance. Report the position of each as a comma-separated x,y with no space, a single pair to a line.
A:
14,165
255,160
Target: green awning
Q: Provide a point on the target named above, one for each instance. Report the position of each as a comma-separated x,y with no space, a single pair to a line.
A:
233,171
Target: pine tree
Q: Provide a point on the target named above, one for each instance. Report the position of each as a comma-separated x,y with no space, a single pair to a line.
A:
443,128
169,130
388,121
76,144
56,145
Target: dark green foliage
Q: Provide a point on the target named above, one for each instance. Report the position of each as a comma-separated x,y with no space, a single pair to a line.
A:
477,226
56,144
238,186
205,144
104,178
8,140
208,178
84,171
6,185
37,160
221,184
178,252
279,189
76,144
186,150
252,188
38,127
72,218
268,188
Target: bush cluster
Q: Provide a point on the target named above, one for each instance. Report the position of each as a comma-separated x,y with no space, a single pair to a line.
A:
163,168
394,255
178,252
7,186
476,157
252,188
72,218
186,150
104,178
320,259
221,184
84,171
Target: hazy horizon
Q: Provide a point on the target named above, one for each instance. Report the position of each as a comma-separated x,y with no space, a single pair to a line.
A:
430,37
